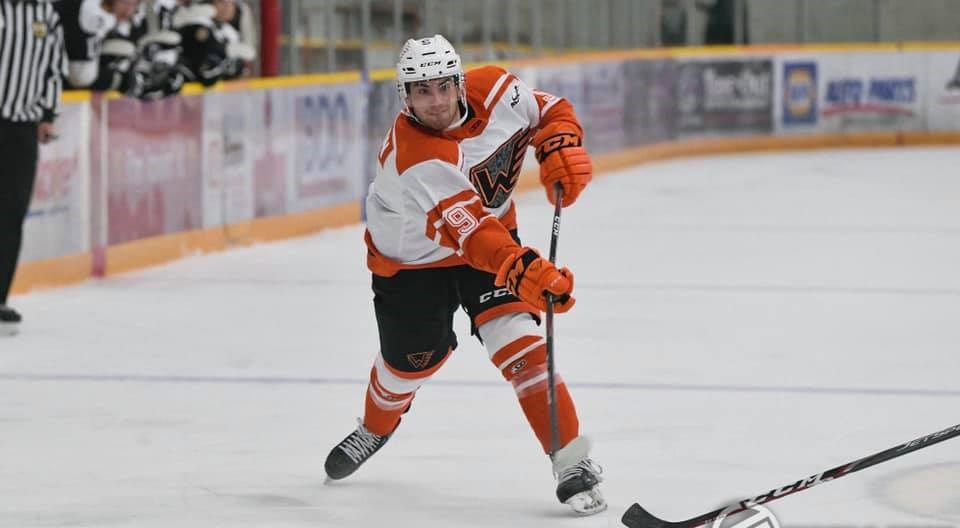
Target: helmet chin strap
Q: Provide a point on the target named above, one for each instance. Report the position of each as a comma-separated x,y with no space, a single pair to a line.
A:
462,108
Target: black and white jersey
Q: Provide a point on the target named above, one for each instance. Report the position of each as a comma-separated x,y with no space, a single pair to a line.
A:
32,62
133,29
85,24
243,23
203,44
238,18
162,13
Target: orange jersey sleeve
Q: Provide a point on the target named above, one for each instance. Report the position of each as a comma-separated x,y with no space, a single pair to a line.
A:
557,121
461,223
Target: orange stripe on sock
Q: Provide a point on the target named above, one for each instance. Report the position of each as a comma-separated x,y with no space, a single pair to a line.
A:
512,348
384,398
532,380
387,404
377,418
537,411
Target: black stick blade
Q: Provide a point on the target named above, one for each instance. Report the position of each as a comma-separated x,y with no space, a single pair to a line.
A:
637,517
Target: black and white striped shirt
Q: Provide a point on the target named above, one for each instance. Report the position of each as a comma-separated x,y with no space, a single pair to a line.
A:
32,61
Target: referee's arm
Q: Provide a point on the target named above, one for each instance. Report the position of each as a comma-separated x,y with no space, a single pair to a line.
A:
55,73
32,64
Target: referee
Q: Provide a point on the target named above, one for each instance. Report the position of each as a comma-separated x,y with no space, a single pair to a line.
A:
32,65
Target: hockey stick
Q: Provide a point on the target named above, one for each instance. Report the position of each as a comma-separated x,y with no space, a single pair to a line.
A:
637,517
551,388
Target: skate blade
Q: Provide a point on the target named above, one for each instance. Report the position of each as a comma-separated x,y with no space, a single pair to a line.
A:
587,503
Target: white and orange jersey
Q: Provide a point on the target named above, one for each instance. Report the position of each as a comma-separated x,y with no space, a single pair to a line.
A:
435,190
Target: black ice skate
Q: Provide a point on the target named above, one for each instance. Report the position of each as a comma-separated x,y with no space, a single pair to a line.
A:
578,478
9,320
352,452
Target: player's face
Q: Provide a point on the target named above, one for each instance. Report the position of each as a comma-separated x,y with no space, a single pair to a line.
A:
123,9
226,10
434,102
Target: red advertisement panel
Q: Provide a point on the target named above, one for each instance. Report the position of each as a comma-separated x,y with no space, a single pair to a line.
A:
153,169
270,159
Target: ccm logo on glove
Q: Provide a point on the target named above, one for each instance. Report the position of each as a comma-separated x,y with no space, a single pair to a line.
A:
531,277
563,160
557,142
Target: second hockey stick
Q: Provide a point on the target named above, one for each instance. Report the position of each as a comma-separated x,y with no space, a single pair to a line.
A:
637,517
551,387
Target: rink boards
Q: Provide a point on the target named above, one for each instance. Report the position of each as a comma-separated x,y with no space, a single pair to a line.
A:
131,184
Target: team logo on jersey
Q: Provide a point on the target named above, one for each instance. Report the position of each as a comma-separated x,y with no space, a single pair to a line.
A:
420,359
495,177
39,29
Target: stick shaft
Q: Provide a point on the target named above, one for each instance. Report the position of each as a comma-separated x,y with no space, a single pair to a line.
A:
551,367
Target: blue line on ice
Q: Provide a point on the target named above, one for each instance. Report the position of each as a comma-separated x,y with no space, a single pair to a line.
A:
278,380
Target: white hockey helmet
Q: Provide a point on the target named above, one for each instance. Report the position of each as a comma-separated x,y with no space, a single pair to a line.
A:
428,58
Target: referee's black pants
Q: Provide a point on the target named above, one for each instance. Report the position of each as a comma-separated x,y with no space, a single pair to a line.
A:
18,170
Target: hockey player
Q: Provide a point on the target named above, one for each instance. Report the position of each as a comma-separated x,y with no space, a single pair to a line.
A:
239,16
442,233
85,25
211,47
159,64
140,63
118,56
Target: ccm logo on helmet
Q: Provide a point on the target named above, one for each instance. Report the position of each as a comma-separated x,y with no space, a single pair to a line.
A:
427,64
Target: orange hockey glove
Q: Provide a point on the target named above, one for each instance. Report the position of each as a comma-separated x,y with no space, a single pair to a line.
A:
562,159
530,277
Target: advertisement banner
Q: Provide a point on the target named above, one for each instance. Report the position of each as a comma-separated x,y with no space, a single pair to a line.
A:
650,108
601,111
847,92
212,160
58,221
98,181
943,91
271,150
329,165
154,169
724,96
564,80
798,93
227,162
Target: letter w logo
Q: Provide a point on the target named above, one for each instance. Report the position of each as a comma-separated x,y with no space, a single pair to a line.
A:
495,177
